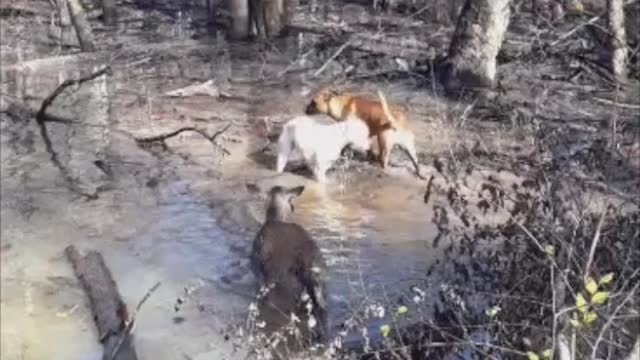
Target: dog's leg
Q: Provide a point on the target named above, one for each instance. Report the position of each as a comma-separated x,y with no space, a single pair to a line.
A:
281,162
320,173
407,143
284,150
319,170
371,154
385,142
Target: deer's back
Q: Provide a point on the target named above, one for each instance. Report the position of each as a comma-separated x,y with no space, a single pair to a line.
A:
283,249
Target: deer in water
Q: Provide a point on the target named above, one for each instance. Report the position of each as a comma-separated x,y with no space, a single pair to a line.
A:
286,258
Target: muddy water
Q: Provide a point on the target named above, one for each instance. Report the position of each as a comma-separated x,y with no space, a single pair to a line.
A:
184,217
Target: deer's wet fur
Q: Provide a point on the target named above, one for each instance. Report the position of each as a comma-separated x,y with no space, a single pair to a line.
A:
285,256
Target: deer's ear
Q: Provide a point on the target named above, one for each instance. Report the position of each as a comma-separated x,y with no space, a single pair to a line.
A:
296,191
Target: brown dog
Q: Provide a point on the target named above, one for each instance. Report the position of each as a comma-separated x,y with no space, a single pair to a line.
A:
387,124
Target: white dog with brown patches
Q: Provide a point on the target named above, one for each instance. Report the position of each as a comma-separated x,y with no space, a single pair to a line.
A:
319,144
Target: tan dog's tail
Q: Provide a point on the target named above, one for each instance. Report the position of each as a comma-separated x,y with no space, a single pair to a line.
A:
387,112
393,124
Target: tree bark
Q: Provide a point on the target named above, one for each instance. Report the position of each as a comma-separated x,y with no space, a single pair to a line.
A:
475,44
269,18
617,39
81,24
109,12
239,11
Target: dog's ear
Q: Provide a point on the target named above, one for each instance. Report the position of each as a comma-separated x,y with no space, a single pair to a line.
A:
329,93
295,191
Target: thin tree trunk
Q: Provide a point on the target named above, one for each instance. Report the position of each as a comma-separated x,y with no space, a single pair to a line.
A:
109,12
239,11
617,39
274,17
269,17
475,44
81,24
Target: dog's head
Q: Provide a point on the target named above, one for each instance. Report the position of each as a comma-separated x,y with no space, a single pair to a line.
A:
320,102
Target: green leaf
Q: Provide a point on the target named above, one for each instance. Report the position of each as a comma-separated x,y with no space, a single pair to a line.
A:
575,323
599,298
493,311
402,310
550,250
606,279
589,318
385,330
590,285
547,354
532,356
581,303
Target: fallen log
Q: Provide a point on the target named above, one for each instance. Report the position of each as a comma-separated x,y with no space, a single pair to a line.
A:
109,311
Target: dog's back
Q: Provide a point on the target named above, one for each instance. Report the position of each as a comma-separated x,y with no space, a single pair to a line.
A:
372,112
319,143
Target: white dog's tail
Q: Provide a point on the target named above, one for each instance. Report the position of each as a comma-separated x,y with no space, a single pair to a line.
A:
387,112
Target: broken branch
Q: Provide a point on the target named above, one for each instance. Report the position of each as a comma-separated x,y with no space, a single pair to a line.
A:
211,138
127,331
40,116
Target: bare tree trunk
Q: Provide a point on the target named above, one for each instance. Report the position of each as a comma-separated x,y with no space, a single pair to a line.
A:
239,11
109,12
617,39
81,24
475,44
211,11
269,17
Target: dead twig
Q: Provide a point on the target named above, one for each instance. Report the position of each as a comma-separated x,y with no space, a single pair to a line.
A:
594,244
606,326
163,137
335,55
427,193
617,104
127,331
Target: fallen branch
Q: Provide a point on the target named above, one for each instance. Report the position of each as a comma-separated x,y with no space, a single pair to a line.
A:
42,118
335,55
20,112
163,137
110,312
65,84
206,88
616,104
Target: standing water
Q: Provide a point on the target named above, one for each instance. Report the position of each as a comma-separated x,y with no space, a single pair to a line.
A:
182,216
